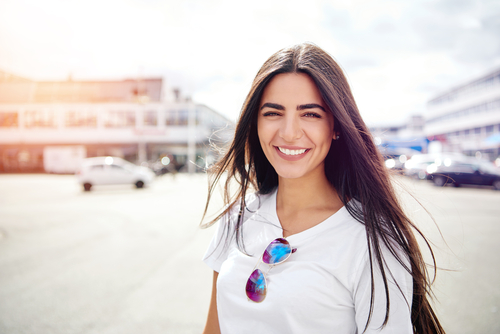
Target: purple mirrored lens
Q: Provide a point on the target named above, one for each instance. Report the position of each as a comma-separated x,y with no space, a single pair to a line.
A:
256,286
278,251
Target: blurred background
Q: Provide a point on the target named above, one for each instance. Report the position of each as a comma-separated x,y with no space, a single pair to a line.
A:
108,113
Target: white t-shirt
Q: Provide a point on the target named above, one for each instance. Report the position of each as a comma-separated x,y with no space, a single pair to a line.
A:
324,287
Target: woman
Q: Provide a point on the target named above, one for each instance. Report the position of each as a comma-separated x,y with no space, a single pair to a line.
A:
316,205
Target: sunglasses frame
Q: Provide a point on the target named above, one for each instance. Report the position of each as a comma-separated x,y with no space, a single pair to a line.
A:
261,260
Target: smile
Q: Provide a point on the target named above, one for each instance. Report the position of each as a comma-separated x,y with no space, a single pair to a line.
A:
291,152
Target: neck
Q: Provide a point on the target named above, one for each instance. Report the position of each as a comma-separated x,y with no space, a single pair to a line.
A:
306,192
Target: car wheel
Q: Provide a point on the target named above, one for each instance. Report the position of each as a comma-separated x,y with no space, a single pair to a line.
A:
139,184
87,186
496,185
439,181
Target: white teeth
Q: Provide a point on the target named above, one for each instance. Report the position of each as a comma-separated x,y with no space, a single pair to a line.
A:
291,152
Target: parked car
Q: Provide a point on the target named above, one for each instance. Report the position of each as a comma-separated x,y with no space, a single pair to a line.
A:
465,172
416,167
395,158
112,170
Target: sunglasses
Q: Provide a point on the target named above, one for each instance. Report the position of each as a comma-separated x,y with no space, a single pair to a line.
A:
278,251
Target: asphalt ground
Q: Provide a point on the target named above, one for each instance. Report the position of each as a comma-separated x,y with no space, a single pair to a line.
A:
125,260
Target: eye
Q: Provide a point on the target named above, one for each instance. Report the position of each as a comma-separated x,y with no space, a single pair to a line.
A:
270,113
312,114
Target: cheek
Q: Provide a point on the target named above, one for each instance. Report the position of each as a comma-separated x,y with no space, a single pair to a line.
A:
264,132
260,133
321,135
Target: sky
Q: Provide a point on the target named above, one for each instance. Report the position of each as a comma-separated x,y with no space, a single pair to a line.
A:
396,54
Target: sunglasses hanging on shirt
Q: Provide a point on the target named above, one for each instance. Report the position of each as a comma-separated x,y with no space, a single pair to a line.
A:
278,251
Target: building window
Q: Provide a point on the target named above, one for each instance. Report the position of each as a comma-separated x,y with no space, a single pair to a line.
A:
119,119
80,119
477,131
484,83
40,119
183,117
480,108
150,118
9,119
198,116
171,117
178,117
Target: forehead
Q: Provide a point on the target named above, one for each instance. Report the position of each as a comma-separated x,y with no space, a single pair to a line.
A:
293,88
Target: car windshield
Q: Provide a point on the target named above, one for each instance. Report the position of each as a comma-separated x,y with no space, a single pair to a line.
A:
97,167
117,167
489,168
129,166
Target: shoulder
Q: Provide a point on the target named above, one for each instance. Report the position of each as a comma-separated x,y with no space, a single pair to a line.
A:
360,249
253,202
351,229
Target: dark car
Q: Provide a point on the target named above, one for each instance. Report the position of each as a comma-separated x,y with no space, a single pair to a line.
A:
417,166
464,172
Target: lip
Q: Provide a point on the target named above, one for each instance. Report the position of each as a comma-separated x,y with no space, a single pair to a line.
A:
291,157
291,147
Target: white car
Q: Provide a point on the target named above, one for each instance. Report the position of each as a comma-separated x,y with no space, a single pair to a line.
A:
112,170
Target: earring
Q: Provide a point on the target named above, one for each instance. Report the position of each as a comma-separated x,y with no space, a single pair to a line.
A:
337,136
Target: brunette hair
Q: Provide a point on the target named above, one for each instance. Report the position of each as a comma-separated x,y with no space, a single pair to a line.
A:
354,167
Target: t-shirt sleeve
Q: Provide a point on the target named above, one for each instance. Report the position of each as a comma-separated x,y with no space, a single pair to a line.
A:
400,299
217,250
224,239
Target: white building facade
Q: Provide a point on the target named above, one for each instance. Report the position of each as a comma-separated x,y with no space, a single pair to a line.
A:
400,137
125,118
467,118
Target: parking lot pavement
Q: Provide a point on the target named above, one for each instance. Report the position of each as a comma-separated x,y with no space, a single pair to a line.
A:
464,226
114,260
125,260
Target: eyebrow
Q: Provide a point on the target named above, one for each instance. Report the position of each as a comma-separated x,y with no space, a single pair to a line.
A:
273,106
299,107
310,106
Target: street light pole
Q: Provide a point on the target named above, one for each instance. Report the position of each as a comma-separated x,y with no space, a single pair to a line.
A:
191,138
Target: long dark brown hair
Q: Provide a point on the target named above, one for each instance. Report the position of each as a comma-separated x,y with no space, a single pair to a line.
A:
353,166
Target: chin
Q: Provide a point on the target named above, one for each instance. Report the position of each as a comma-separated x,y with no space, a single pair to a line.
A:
290,174
297,172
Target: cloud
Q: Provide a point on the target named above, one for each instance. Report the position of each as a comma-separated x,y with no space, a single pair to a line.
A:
396,54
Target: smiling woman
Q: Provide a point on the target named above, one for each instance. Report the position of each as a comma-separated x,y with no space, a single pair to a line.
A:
315,215
295,130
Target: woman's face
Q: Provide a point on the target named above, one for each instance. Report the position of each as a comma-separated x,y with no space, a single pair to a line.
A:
294,126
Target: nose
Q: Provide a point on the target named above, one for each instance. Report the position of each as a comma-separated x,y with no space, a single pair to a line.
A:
290,129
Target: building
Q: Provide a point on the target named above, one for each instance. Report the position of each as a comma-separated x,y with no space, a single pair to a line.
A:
127,118
406,137
466,119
